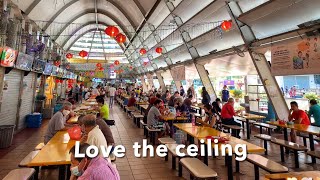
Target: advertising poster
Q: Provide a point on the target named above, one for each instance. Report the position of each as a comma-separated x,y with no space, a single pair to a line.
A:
39,66
8,57
297,58
24,62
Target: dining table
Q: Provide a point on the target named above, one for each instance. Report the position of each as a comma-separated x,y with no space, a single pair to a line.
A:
249,117
313,175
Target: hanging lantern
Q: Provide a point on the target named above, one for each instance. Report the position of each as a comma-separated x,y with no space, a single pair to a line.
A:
120,38
143,51
61,81
112,31
70,81
69,56
99,65
83,53
131,67
145,63
226,25
57,81
116,62
57,63
159,50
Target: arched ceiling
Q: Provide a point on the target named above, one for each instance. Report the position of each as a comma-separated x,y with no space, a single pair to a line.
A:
152,23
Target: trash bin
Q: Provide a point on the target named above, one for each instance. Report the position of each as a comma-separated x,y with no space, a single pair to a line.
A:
34,120
6,135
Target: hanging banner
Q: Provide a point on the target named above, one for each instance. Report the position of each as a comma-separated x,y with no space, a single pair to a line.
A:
297,58
178,73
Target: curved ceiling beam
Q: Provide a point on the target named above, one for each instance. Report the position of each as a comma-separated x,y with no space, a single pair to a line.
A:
74,1
82,34
93,11
78,29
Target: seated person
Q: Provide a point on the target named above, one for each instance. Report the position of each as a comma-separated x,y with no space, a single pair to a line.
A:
227,113
131,101
91,168
298,116
166,96
93,135
104,109
180,107
188,102
315,112
154,116
210,119
87,95
216,106
171,100
58,122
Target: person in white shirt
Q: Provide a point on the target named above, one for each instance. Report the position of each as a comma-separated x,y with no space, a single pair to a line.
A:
87,96
112,92
93,135
95,91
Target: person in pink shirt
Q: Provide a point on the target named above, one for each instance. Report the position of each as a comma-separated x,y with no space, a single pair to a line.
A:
91,168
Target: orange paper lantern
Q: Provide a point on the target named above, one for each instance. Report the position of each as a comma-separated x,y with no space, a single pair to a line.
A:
226,25
112,31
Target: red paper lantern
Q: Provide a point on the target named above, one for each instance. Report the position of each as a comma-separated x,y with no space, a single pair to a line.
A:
143,51
159,50
116,62
57,63
70,81
99,65
83,53
61,81
131,67
57,81
226,25
112,31
120,38
69,56
145,63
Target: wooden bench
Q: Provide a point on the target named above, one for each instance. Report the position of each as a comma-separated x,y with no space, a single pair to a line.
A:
167,140
39,146
265,125
172,151
152,133
22,173
315,154
196,168
261,162
290,145
232,127
25,161
144,125
136,118
265,139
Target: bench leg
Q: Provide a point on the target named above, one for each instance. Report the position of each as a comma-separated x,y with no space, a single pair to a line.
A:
304,141
191,177
237,166
229,167
265,144
282,153
296,159
256,172
260,129
62,172
146,133
180,170
174,162
138,123
269,131
166,157
68,171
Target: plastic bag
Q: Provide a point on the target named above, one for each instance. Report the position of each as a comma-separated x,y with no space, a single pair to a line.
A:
75,133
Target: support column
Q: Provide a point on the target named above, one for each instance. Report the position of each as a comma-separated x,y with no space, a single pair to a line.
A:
150,80
143,82
161,82
12,30
4,22
24,35
177,83
203,73
260,62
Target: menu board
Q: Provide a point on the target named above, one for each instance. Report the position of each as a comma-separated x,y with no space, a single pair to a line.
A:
54,71
48,69
38,66
8,56
24,61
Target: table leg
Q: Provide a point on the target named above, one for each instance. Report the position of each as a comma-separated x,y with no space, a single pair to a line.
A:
285,136
62,172
205,159
68,171
248,128
36,174
312,147
229,167
171,128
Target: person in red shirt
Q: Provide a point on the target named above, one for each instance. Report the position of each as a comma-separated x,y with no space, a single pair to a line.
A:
298,116
227,113
131,101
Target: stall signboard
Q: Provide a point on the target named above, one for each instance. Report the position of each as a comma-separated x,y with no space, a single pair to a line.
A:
38,66
302,57
8,56
178,73
48,69
24,62
54,71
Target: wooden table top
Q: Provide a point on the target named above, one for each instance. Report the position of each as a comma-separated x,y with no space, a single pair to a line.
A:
171,117
202,132
73,120
56,152
299,127
90,103
144,106
315,175
252,116
142,103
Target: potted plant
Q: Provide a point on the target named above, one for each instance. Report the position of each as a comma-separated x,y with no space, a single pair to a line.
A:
311,95
237,94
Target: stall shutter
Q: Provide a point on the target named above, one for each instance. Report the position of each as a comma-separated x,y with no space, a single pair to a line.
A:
26,98
9,106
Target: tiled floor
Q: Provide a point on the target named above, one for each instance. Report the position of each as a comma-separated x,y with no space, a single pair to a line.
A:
130,167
